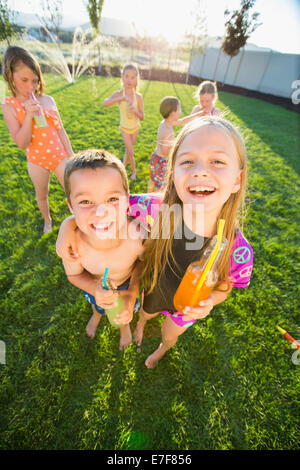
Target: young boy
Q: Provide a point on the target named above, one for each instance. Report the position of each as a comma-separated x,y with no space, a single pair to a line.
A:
170,109
97,193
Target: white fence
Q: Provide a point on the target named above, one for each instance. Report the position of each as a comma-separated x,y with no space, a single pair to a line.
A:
263,70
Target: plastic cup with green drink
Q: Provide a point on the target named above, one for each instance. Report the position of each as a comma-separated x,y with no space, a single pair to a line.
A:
39,116
118,306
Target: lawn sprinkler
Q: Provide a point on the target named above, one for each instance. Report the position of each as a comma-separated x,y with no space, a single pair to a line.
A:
289,337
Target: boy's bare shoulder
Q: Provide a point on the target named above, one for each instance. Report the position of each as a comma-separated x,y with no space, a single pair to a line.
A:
73,267
164,127
164,130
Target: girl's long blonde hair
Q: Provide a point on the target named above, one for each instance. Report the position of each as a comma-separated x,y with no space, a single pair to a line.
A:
158,250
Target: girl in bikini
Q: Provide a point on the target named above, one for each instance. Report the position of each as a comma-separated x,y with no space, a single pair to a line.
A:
47,148
207,95
131,111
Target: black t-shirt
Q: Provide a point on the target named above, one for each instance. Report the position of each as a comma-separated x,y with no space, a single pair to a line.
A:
186,249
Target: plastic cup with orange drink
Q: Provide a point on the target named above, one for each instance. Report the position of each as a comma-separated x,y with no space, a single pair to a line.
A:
201,276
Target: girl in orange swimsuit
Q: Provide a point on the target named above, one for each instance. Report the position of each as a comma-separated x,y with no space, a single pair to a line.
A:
131,111
47,148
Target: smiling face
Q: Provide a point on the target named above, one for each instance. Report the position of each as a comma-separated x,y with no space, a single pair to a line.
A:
99,202
26,81
206,170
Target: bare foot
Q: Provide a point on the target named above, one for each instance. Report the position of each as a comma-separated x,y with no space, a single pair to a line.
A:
139,332
133,176
47,227
153,359
91,327
125,337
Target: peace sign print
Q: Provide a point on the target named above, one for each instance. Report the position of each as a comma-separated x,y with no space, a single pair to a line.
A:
241,255
143,202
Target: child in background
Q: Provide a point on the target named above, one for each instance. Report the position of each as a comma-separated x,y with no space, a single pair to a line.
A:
47,148
207,94
97,193
207,177
170,109
131,111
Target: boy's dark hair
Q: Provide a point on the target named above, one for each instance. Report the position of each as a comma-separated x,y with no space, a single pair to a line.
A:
167,105
92,159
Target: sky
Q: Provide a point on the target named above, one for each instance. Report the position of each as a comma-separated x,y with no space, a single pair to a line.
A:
279,30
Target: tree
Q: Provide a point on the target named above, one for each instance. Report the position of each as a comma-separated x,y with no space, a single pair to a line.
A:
94,8
196,37
52,15
6,25
240,25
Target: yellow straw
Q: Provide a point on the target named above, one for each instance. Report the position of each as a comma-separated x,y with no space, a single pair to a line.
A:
211,259
220,230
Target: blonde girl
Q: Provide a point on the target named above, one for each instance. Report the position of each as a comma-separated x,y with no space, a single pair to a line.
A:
47,148
131,111
207,95
207,177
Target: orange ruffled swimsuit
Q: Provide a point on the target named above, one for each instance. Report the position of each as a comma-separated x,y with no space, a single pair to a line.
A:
46,148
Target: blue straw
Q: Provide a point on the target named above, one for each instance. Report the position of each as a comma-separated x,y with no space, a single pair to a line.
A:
104,279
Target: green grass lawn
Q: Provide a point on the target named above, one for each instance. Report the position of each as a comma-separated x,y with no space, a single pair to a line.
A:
229,383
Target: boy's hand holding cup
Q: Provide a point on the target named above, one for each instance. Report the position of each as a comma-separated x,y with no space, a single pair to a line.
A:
105,298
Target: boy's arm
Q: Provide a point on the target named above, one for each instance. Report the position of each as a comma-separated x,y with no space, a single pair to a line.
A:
186,119
79,277
85,281
66,243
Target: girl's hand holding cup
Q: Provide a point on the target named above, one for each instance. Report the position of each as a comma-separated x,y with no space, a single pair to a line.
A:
32,107
204,309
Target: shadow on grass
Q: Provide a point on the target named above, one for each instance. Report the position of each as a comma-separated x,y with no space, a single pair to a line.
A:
145,89
62,88
277,127
185,111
